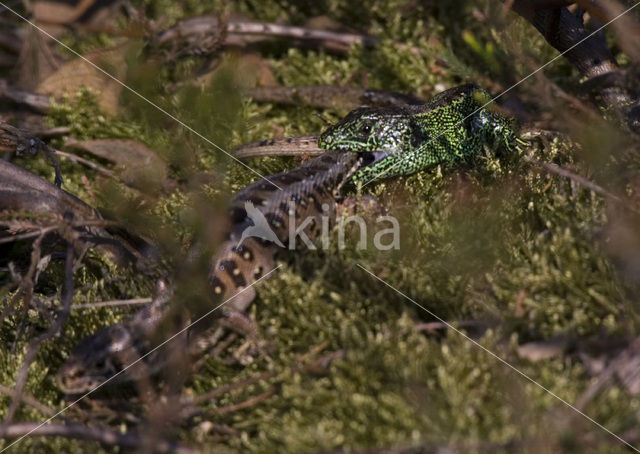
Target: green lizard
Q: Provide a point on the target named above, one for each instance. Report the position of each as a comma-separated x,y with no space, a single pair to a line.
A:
450,129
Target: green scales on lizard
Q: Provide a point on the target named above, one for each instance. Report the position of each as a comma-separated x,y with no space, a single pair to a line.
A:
450,129
378,142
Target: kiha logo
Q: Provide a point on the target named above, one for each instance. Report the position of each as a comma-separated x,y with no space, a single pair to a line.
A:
260,227
298,230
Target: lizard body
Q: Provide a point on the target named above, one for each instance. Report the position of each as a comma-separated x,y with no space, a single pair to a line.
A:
450,129
368,143
309,191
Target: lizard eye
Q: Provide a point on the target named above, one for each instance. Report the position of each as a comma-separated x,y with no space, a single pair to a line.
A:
365,128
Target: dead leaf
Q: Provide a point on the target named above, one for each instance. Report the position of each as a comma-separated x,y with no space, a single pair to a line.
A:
60,13
254,70
54,16
251,70
140,166
78,73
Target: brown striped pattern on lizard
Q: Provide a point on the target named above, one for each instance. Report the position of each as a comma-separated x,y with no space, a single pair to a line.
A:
310,191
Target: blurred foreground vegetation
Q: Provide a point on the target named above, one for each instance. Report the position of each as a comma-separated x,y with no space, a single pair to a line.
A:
529,255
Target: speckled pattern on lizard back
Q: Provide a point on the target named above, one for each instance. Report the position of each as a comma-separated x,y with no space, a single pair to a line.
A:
314,190
450,129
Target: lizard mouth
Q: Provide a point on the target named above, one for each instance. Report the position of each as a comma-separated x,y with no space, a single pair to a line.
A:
370,158
380,155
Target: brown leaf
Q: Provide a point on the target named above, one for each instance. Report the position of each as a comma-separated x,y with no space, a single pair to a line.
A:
54,15
78,73
60,13
140,166
254,71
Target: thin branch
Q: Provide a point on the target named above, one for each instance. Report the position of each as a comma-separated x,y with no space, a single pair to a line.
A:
55,329
247,403
557,170
52,132
230,387
624,366
21,190
97,434
27,235
113,303
30,400
331,96
434,327
215,29
92,165
51,228
28,281
313,367
288,31
35,101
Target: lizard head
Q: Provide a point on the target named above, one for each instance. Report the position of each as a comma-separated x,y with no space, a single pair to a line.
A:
370,129
389,133
95,360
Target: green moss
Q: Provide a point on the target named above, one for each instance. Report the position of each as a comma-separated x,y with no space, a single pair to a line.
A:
498,241
86,120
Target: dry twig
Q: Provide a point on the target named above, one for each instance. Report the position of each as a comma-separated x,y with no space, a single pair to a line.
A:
582,181
92,165
22,191
113,303
209,28
35,101
97,434
331,96
247,403
53,330
30,400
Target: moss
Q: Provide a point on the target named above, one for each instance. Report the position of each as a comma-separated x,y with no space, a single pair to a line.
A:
497,241
86,120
